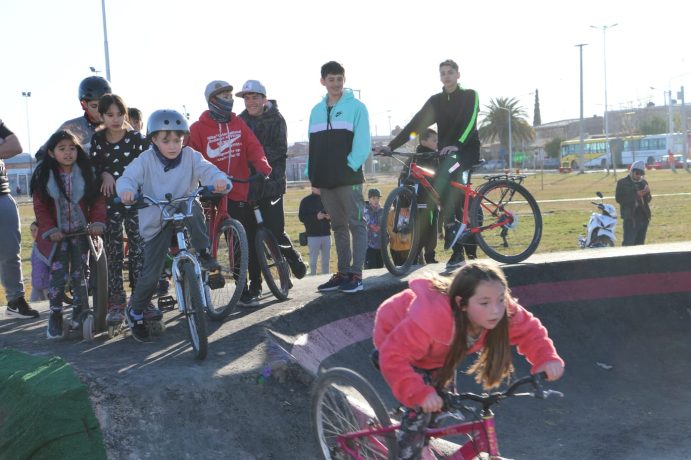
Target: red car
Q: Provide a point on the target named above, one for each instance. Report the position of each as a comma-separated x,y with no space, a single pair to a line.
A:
663,162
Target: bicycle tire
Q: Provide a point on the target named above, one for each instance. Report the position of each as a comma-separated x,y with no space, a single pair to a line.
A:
342,401
516,216
272,263
397,200
232,253
100,291
194,310
603,242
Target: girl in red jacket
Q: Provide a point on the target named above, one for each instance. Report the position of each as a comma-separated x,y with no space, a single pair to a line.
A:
424,332
66,201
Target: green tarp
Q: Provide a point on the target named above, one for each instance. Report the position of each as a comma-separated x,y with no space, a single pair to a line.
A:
45,412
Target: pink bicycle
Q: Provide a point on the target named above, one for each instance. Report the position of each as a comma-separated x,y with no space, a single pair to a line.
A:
351,422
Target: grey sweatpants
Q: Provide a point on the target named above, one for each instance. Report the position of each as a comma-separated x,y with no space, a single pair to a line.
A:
346,205
319,245
10,246
155,251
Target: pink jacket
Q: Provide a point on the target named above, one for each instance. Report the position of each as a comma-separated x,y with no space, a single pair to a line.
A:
415,328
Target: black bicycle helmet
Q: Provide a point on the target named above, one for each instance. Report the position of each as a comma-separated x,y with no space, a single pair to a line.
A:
93,87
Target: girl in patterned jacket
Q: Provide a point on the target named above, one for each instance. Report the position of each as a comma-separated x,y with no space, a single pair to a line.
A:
112,149
424,332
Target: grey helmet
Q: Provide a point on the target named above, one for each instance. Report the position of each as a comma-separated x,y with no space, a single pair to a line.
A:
166,120
93,87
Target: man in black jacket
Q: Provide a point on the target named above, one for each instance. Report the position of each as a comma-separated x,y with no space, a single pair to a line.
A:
455,111
267,123
633,196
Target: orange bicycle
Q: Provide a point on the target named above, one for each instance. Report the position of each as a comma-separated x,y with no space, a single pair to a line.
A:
501,213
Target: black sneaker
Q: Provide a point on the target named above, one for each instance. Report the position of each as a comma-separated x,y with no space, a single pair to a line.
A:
54,329
20,309
297,265
354,284
456,259
250,298
137,325
207,262
337,279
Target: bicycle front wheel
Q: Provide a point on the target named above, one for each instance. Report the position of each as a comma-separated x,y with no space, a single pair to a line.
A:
194,310
400,236
225,288
509,220
343,402
272,263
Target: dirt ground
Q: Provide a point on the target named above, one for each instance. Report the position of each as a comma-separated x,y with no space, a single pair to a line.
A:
625,383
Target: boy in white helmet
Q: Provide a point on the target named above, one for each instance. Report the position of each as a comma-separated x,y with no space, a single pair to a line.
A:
165,168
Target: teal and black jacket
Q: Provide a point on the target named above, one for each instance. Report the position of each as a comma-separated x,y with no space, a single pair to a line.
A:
339,142
455,114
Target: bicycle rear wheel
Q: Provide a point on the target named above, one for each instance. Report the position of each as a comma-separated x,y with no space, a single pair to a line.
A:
272,263
194,310
400,236
224,289
510,220
343,402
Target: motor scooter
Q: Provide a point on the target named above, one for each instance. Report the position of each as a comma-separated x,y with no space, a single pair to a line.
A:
601,226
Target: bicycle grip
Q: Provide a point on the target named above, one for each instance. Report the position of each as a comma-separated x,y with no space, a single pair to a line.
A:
118,200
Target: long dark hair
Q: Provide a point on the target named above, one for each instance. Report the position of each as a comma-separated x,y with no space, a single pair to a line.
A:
39,180
493,364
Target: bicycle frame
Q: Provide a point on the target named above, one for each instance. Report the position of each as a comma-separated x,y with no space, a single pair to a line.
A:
422,175
482,436
215,215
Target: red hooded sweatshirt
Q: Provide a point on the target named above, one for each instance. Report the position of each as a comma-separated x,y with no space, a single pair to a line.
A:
232,147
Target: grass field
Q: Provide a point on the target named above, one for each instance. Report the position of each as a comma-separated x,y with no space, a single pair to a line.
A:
563,200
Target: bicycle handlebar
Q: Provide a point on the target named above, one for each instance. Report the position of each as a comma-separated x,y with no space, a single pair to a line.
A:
454,401
143,201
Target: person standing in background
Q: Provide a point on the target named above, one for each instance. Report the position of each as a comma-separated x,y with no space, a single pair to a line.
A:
10,228
633,196
318,229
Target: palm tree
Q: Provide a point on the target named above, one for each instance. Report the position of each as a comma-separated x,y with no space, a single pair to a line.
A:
494,126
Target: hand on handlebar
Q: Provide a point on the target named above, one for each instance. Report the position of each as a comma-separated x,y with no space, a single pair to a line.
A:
432,403
127,198
449,149
553,369
220,186
382,150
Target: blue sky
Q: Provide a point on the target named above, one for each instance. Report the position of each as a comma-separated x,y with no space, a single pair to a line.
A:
163,53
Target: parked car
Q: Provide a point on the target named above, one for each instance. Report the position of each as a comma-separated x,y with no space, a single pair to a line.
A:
663,162
491,165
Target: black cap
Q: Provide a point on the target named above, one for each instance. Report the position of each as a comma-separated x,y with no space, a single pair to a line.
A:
373,192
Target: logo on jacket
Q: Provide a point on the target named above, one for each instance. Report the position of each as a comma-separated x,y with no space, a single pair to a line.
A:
338,114
223,147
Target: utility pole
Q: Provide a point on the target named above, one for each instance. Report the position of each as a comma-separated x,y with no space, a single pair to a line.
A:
581,144
684,128
670,130
105,40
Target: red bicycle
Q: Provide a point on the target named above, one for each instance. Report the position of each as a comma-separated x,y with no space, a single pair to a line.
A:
501,213
351,422
229,246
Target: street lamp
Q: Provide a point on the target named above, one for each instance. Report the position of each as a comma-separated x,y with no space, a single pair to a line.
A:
581,144
509,119
105,39
604,48
27,95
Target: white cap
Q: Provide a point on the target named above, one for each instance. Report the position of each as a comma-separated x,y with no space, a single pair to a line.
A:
252,86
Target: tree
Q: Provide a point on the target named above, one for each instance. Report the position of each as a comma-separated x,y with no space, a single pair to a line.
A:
654,125
494,126
537,119
552,147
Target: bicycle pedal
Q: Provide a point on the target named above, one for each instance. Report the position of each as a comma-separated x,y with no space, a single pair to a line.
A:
166,303
216,281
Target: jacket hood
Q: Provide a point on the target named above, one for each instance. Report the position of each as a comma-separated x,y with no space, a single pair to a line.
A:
429,309
347,96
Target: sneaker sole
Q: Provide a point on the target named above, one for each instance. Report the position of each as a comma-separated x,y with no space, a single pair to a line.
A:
350,291
16,314
329,289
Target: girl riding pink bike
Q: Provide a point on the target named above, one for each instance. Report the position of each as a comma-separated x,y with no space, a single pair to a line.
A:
424,332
